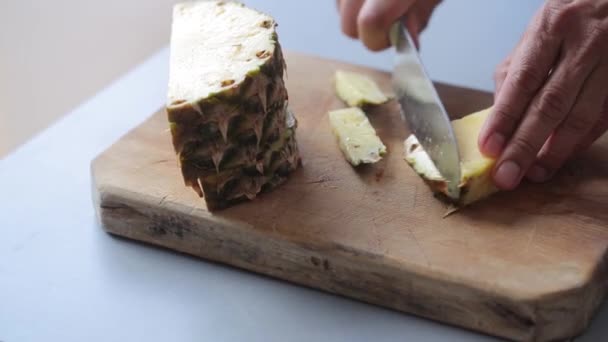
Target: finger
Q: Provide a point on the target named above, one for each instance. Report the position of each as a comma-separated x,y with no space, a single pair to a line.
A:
579,123
502,69
528,71
418,18
349,12
424,10
500,74
546,112
413,26
376,18
597,132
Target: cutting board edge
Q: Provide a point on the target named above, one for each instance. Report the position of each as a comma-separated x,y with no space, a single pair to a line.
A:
517,317
107,193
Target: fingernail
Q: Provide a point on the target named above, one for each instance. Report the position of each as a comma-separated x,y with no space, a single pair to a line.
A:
494,145
508,174
538,174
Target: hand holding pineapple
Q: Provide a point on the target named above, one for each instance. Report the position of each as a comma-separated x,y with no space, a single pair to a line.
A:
551,99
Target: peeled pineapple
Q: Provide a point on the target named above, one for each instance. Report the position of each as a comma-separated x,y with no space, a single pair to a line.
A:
476,182
358,90
227,104
356,136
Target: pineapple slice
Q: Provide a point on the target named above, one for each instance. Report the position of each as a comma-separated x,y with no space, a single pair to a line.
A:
358,90
476,182
227,103
356,136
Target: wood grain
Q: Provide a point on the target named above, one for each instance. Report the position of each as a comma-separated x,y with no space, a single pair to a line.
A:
525,265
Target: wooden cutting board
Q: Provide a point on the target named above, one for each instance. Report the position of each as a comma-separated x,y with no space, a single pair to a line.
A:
526,265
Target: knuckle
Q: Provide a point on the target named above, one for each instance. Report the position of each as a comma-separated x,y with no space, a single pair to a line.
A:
552,105
526,79
599,32
598,36
581,64
578,125
506,115
563,14
372,30
552,158
524,147
591,50
371,20
500,74
503,66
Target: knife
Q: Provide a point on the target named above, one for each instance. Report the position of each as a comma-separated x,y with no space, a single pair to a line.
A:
422,109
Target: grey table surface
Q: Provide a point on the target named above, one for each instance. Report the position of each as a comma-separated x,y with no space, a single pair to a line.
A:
63,279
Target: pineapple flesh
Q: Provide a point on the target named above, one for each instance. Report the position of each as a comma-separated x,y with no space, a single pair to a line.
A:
476,182
227,105
358,90
356,136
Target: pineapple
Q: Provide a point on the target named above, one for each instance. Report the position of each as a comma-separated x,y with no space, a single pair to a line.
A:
358,90
356,136
476,182
228,111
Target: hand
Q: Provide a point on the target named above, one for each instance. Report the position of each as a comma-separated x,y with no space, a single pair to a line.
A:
371,20
551,96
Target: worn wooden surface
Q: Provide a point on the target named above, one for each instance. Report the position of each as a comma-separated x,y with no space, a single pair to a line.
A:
526,265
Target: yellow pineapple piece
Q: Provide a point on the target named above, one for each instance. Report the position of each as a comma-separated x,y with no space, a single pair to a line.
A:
356,136
476,182
358,90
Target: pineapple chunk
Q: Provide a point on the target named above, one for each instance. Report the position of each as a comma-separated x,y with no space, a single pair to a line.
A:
476,182
358,90
356,136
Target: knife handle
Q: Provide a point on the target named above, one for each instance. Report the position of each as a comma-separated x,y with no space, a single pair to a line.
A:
399,32
393,34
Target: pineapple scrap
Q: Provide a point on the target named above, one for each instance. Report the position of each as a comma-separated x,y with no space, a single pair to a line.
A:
356,136
358,90
476,181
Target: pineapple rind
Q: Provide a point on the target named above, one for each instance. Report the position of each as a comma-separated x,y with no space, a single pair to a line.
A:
219,195
238,141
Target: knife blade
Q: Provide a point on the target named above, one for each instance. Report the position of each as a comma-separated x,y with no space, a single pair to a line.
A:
422,109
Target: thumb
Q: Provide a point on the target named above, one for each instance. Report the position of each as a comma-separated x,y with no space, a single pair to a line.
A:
376,18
